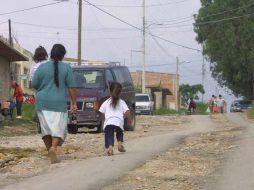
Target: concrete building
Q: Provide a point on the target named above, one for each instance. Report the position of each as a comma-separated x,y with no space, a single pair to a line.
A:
21,69
8,55
161,86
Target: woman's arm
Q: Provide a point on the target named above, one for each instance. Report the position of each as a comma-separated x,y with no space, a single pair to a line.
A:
73,95
128,115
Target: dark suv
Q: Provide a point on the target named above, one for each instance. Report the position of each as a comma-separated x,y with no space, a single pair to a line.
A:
93,89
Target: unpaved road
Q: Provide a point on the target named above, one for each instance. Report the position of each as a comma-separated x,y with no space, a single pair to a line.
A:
193,153
238,171
96,173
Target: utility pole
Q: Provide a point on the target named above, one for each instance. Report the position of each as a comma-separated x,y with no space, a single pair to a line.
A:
203,76
177,84
10,33
80,32
144,48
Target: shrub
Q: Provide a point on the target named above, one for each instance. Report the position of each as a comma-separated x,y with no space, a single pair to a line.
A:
165,111
250,113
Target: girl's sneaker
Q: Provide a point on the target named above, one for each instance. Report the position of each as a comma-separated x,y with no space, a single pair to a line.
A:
121,148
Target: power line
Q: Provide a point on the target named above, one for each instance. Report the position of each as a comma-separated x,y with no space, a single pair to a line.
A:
133,26
179,22
43,26
222,20
219,13
138,6
162,48
239,8
178,19
158,65
64,38
31,8
3,22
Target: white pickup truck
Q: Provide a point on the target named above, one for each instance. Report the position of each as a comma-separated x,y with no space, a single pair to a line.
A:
144,104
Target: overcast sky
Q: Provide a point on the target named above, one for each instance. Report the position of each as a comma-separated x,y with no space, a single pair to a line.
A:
107,39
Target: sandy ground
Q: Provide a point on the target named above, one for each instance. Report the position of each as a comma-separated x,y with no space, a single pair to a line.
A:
25,156
188,166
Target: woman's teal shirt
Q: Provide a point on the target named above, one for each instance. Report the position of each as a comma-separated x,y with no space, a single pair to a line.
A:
50,97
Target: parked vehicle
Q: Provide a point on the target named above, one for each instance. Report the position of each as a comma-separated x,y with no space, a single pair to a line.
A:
240,105
93,89
144,104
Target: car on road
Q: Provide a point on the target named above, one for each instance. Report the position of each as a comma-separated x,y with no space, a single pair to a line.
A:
240,105
93,89
144,104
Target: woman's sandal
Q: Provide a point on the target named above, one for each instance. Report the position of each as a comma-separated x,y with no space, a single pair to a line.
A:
110,152
52,155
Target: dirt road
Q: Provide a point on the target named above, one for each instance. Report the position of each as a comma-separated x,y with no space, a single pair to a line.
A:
238,169
98,172
178,153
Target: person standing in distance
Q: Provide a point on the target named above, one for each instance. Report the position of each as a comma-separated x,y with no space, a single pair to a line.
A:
52,80
18,96
114,110
221,104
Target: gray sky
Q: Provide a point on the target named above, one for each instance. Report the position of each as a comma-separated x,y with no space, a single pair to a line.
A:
107,39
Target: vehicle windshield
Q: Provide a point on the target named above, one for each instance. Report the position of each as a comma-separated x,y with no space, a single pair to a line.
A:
141,98
89,78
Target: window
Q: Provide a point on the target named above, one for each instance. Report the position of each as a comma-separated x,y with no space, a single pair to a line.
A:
142,98
109,76
89,78
123,76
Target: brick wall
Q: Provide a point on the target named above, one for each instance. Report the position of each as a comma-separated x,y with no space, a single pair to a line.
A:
162,80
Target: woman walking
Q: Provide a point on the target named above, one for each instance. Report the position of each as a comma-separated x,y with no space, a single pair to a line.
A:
51,80
114,110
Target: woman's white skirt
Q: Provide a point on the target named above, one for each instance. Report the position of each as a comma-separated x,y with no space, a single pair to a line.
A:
53,123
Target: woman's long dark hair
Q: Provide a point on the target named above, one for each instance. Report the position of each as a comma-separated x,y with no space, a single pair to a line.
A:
115,91
57,54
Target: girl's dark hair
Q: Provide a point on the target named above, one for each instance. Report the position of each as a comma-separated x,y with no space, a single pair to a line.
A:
57,54
40,54
115,90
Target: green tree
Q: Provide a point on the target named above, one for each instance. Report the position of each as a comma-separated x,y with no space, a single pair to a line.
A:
225,28
188,91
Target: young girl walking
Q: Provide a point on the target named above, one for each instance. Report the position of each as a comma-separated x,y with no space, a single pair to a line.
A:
114,110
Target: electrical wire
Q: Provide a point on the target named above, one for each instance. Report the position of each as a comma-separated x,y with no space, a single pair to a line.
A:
138,6
239,8
159,65
133,26
44,26
31,8
3,22
222,20
162,48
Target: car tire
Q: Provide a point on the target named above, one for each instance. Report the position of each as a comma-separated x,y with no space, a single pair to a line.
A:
38,125
72,129
132,126
100,127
